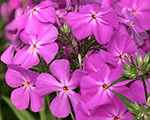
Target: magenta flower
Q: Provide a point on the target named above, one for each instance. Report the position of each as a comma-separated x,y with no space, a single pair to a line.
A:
139,9
17,76
93,19
136,33
32,20
117,49
43,44
93,86
114,110
47,84
93,63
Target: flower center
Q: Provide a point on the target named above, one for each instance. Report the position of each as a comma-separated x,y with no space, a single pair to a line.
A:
94,16
105,86
33,10
33,47
133,12
131,24
116,118
27,84
65,88
121,57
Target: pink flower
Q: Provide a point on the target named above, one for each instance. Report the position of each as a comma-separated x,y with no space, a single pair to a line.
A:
114,110
32,20
17,76
93,86
93,19
43,44
47,84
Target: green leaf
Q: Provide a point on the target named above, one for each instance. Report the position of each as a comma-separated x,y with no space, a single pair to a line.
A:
133,108
1,118
21,114
121,79
45,113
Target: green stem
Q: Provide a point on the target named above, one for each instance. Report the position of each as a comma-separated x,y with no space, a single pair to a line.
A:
1,118
72,115
145,89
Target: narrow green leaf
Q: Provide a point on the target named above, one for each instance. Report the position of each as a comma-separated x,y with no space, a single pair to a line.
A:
45,113
21,114
121,79
1,117
128,103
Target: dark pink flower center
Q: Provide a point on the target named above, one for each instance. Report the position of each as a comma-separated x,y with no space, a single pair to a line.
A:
65,88
133,12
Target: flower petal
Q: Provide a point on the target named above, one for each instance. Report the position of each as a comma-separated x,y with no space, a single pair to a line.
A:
20,98
61,70
60,106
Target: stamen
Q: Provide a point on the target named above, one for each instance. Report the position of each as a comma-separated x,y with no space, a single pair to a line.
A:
121,57
65,88
27,84
33,10
94,16
105,86
33,47
116,118
131,24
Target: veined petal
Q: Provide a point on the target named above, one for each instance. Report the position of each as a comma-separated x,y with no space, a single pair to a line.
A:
60,106
20,98
61,70
47,34
36,100
14,78
48,51
47,84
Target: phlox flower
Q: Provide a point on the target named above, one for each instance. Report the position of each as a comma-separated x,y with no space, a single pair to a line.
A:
136,33
32,20
43,44
117,48
113,110
93,86
17,76
47,84
139,9
93,19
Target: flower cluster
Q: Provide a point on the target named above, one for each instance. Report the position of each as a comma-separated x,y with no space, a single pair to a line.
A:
76,49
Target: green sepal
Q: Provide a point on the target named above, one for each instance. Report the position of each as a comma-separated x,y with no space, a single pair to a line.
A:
140,59
147,59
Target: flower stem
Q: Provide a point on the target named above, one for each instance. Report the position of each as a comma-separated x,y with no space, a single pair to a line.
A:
145,89
72,115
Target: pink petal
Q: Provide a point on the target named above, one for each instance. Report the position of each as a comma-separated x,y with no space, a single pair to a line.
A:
32,25
60,106
47,34
26,57
47,14
36,100
47,84
14,78
7,56
61,70
75,79
52,51
20,98
102,32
